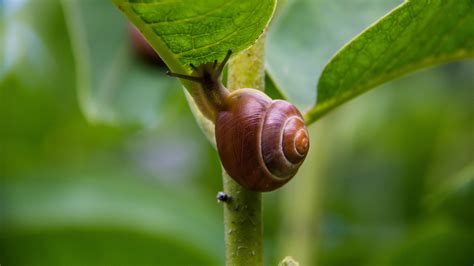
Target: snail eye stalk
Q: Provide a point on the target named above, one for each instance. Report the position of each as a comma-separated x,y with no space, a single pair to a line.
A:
187,77
217,72
223,63
193,67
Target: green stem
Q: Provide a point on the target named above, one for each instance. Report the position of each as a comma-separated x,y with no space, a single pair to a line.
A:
247,70
243,212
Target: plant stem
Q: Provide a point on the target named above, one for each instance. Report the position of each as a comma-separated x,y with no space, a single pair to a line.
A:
247,70
243,225
243,213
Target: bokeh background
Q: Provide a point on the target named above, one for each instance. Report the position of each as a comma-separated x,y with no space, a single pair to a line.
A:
102,163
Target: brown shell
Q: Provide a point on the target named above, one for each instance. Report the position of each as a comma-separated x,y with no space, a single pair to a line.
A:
261,142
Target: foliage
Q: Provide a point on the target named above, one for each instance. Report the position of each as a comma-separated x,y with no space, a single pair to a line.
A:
389,183
112,86
189,32
411,37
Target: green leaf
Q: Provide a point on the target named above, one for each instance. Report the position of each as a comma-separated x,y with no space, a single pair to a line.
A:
31,52
104,216
305,34
114,86
455,195
187,32
96,246
433,242
419,33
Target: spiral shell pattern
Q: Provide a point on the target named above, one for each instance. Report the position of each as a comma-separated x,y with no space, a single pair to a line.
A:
285,140
261,142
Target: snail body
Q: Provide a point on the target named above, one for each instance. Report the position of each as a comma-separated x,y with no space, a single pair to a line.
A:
261,142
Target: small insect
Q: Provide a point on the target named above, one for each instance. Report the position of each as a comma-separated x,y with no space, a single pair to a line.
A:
223,197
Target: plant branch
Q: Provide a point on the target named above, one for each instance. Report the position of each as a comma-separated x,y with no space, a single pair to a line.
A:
243,212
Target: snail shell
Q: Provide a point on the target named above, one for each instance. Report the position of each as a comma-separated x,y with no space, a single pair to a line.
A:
261,142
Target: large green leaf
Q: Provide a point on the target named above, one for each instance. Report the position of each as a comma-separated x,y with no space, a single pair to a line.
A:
419,33
92,220
114,86
434,242
189,31
305,34
455,195
34,46
95,246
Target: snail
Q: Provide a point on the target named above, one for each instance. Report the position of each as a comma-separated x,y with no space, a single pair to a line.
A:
261,142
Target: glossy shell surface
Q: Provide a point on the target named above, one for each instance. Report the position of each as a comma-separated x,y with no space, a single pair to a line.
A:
261,142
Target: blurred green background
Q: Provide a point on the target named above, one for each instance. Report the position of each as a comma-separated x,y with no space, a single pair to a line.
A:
102,163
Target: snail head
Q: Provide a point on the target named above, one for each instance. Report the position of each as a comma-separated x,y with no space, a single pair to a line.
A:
209,74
